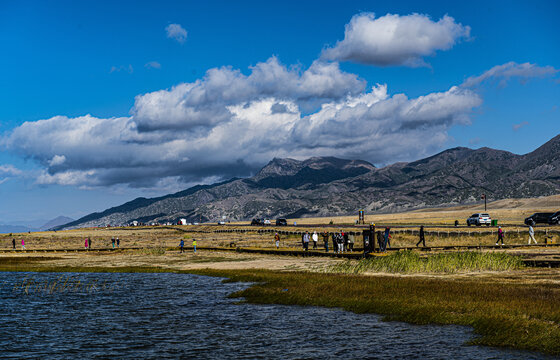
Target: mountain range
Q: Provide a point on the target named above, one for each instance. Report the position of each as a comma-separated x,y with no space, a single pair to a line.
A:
25,226
328,186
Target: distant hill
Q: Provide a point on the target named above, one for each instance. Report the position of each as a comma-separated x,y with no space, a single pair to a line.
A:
328,186
7,229
56,222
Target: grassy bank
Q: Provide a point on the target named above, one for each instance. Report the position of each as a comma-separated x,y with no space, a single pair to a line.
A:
502,313
412,262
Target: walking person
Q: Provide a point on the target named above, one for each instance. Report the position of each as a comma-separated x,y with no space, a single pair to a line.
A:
306,241
86,244
113,242
380,241
500,235
90,243
341,241
325,236
118,242
14,243
421,235
194,245
277,240
22,244
181,245
315,238
387,238
350,242
531,235
335,242
303,241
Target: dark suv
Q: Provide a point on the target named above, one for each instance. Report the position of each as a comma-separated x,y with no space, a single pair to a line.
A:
538,218
554,219
257,222
281,222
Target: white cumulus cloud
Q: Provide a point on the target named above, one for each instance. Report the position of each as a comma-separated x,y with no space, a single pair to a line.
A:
372,125
204,103
57,160
395,40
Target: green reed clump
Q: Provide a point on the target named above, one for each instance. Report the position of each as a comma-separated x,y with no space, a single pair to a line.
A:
412,262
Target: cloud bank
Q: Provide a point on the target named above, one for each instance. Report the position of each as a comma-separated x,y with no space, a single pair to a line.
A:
229,124
395,40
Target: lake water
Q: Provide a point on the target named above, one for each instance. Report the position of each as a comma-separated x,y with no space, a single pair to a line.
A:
159,316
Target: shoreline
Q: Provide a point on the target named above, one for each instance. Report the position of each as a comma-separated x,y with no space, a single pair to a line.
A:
515,309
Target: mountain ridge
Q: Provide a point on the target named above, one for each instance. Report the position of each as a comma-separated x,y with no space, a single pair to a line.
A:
328,186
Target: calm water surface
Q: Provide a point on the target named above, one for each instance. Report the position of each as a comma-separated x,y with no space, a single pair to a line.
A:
187,316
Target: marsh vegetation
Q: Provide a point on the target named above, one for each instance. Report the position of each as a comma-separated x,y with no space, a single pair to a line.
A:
411,262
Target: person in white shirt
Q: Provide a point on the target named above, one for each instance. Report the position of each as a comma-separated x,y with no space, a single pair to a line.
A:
531,235
315,238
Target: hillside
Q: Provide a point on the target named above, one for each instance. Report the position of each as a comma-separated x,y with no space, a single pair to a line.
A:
328,186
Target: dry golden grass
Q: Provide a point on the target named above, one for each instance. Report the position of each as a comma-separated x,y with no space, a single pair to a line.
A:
169,238
508,211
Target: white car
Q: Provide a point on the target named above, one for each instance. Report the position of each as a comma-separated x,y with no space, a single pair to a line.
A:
267,222
479,219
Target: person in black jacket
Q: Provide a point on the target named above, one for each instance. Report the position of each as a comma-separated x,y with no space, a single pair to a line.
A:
326,240
380,241
422,239
335,242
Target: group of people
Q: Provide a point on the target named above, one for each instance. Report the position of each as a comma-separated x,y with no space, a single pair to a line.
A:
531,235
341,241
182,245
88,242
117,241
22,243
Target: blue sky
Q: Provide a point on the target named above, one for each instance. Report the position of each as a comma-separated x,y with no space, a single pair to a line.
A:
286,81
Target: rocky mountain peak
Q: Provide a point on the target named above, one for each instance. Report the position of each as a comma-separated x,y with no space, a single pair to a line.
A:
279,167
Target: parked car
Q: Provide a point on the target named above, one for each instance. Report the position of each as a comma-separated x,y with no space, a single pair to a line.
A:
479,219
538,218
281,222
221,222
554,219
267,222
257,222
